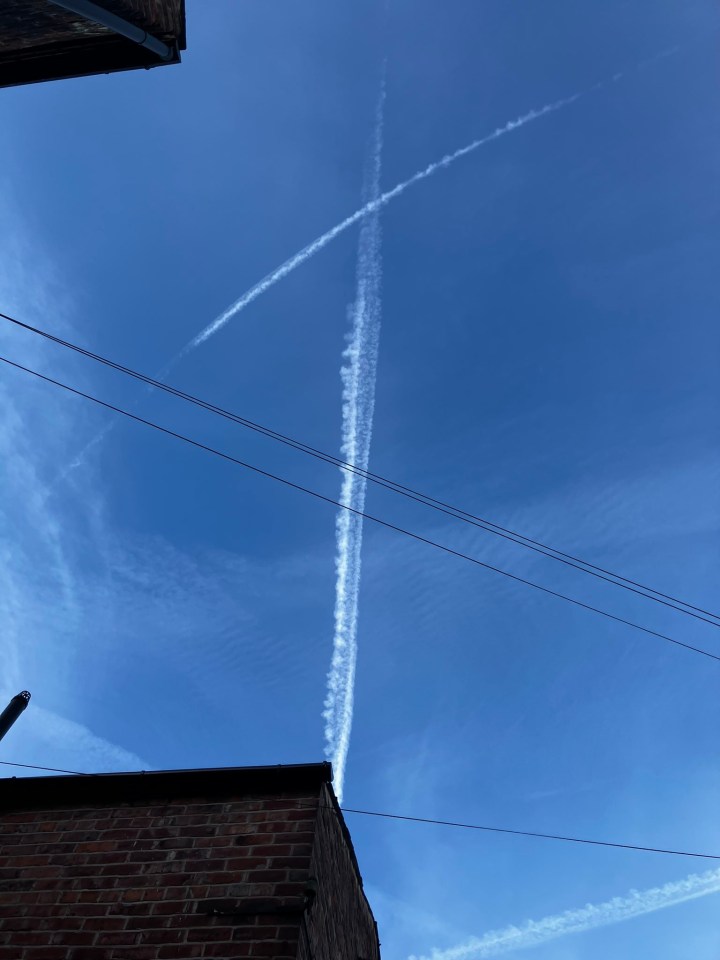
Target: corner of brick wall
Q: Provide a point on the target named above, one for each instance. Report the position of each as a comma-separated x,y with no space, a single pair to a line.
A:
340,924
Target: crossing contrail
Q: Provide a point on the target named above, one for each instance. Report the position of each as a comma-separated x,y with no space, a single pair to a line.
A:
358,379
534,932
371,206
375,203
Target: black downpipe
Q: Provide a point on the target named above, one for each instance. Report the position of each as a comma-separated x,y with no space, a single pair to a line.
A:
12,711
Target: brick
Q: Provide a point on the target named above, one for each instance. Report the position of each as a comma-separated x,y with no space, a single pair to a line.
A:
95,846
272,850
104,923
246,863
277,949
221,950
209,934
26,860
89,953
176,843
72,938
44,953
123,833
247,933
144,923
287,862
186,951
161,936
18,923
173,879
118,869
133,953
153,893
177,900
121,938
29,938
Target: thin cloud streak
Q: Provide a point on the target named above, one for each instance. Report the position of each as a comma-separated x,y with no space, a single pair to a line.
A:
532,933
68,742
358,378
371,206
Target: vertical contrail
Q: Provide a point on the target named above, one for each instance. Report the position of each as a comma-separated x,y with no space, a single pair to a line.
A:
534,932
358,379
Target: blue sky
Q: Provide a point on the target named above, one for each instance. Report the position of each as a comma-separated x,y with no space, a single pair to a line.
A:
548,359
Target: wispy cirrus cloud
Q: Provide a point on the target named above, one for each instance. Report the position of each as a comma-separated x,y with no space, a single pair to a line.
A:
42,563
72,745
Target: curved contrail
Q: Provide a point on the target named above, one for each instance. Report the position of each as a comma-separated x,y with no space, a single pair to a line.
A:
376,203
358,379
534,932
371,206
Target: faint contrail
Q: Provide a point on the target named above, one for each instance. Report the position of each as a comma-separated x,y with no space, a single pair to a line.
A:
358,379
534,932
371,206
109,425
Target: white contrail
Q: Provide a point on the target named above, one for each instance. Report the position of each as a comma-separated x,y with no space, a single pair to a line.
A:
358,379
590,917
371,206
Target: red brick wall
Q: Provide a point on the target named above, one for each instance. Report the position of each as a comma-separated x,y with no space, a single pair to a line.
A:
340,925
132,882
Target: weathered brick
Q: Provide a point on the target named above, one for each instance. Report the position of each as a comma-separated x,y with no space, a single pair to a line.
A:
222,951
186,951
89,953
132,882
205,934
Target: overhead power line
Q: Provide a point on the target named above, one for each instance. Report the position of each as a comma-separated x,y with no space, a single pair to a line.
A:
35,766
434,822
367,516
531,833
552,553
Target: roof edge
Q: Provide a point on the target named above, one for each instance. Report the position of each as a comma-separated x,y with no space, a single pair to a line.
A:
88,788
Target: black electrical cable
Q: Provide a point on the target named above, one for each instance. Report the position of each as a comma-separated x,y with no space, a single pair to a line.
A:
440,823
35,766
531,833
360,513
552,553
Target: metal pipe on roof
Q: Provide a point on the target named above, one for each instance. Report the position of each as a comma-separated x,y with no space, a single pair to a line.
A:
12,711
91,11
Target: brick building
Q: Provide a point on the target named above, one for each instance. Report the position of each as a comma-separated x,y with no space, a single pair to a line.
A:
223,863
53,39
